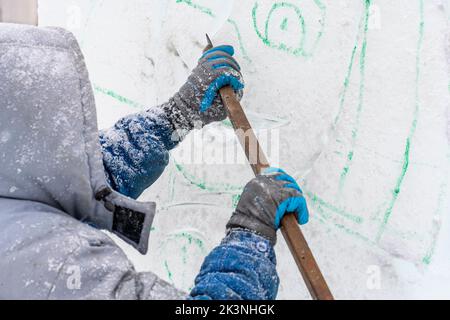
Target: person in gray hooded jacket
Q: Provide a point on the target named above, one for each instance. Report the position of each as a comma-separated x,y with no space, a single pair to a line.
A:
62,181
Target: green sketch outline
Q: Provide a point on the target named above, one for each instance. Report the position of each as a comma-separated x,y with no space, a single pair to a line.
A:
300,50
359,110
191,238
412,130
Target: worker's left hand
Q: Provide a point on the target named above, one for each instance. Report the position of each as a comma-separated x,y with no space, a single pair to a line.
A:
198,101
264,202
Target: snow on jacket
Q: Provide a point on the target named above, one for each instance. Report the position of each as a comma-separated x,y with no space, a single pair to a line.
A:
55,196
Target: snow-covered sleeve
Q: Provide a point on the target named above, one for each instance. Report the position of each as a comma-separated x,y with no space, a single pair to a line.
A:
136,150
242,267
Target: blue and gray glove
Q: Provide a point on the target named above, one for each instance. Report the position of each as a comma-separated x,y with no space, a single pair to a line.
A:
264,202
198,101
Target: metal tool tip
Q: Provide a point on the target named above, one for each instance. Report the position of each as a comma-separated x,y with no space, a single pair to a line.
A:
209,40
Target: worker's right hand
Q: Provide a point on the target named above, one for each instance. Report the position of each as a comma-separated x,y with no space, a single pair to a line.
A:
265,201
198,101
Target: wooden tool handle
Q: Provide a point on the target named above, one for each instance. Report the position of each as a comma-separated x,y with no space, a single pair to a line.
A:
290,229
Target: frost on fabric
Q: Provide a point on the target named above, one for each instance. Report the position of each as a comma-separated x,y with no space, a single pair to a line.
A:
41,124
136,151
243,266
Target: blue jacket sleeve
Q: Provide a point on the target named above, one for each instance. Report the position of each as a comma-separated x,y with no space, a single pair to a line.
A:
242,267
136,151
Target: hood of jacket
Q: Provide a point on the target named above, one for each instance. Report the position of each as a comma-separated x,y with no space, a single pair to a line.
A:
49,143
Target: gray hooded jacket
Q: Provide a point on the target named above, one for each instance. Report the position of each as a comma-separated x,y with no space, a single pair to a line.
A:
53,185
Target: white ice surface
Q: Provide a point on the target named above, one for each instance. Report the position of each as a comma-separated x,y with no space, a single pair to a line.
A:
359,97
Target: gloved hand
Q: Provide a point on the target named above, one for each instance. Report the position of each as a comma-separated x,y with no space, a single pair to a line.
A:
264,202
198,100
